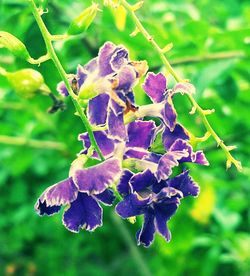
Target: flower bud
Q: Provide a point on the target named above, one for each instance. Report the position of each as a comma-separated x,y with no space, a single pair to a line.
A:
81,23
13,44
27,82
120,16
87,92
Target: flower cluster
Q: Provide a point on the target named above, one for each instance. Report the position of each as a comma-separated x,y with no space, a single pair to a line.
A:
142,179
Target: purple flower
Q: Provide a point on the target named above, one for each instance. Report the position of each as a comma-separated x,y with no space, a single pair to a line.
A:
140,137
82,192
155,86
156,201
169,139
107,81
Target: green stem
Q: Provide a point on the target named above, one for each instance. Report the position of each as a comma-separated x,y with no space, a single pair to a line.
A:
39,60
48,38
144,32
59,37
208,57
138,259
22,141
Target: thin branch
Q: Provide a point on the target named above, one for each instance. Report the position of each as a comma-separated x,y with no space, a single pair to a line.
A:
38,144
48,38
200,110
138,259
209,57
204,58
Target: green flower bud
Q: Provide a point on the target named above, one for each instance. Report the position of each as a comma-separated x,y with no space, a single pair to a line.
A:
27,82
87,91
13,44
81,23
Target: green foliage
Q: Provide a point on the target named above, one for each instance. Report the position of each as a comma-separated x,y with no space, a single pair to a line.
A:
211,233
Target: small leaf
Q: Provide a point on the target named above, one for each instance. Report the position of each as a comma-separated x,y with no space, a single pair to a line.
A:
82,22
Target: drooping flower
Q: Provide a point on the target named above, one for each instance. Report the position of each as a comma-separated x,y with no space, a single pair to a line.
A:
107,82
156,201
140,137
81,192
155,86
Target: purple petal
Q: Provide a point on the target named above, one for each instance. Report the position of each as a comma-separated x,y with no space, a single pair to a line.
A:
184,87
155,86
169,137
59,194
132,206
131,97
141,181
84,212
107,197
91,66
194,157
200,158
95,179
154,157
116,108
119,58
116,127
140,134
42,209
104,58
145,235
97,109
163,212
123,187
105,144
167,194
136,153
61,88
84,137
181,145
169,114
185,184
127,78
167,162
82,75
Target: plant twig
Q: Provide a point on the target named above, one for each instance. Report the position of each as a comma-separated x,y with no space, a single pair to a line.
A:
204,58
208,57
203,114
48,38
138,259
22,141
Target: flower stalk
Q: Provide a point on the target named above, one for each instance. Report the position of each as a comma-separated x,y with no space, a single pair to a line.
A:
38,144
51,54
203,114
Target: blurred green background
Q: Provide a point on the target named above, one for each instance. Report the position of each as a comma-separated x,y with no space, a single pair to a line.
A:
210,234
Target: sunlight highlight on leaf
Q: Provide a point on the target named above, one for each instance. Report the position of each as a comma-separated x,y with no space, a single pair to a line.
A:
204,205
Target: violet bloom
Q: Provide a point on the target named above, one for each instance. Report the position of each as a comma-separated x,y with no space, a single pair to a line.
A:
140,137
156,201
179,152
107,81
155,86
82,193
